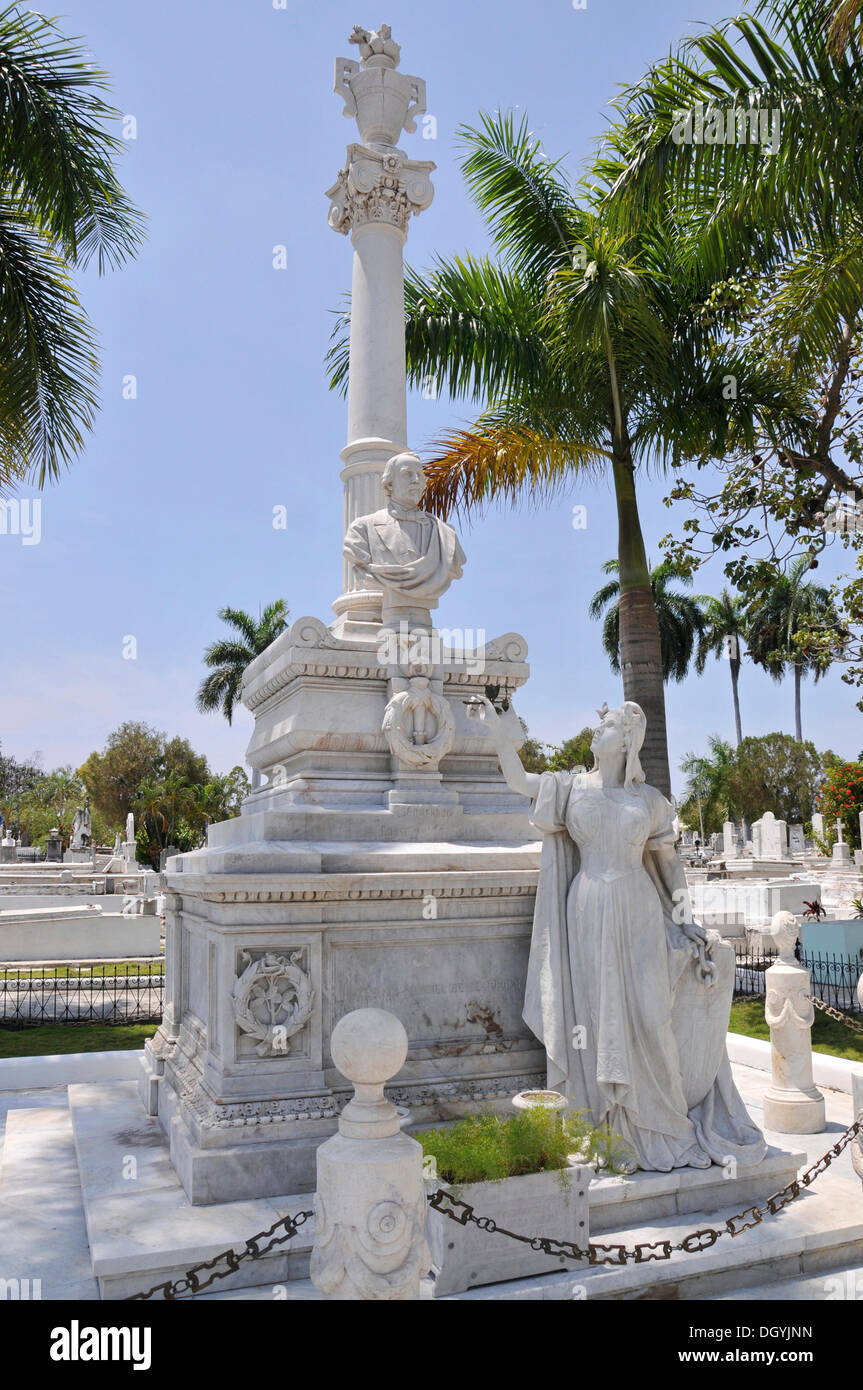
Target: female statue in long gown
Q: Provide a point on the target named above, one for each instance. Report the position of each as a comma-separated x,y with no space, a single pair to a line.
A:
629,996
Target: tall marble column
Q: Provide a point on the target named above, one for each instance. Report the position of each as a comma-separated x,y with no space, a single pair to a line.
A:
373,198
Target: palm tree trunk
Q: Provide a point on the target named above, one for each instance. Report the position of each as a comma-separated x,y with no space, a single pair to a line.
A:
735,673
798,725
640,651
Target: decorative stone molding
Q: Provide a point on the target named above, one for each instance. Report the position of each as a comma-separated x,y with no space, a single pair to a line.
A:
379,187
795,1008
273,999
289,673
314,895
374,1260
510,647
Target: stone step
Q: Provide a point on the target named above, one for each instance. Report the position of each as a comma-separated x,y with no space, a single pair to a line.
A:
143,1230
42,1232
141,1226
818,1234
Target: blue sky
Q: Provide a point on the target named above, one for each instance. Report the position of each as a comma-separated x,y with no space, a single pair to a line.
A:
168,514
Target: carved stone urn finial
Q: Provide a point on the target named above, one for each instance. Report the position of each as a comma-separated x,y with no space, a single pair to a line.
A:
785,929
369,1046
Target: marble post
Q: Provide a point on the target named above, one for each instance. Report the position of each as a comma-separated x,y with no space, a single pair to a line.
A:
370,1201
373,199
792,1104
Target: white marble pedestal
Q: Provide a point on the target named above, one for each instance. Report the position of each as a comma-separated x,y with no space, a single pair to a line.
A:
330,893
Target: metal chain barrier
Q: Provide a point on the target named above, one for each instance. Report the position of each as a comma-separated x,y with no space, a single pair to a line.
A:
462,1213
828,1009
253,1250
703,1239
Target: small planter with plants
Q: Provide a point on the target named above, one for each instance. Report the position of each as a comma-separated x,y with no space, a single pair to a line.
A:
530,1173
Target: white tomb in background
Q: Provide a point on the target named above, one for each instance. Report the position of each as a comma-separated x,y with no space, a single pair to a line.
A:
382,861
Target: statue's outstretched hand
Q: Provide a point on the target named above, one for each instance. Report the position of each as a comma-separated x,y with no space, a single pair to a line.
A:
482,712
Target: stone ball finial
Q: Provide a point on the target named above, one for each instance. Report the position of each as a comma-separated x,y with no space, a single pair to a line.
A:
369,1046
785,930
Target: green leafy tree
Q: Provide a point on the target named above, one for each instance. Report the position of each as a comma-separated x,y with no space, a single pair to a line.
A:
61,205
17,776
681,621
132,755
228,658
784,230
841,796
532,753
573,752
48,802
775,773
588,350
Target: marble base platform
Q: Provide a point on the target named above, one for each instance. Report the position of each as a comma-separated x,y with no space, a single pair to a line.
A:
144,1230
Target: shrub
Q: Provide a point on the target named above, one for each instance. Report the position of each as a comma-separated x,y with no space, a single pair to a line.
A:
486,1148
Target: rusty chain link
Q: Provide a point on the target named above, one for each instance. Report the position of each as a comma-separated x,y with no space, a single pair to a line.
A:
829,1010
691,1244
462,1213
190,1283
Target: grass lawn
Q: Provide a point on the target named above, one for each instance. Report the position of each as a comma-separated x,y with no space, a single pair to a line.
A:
747,1017
49,1038
75,972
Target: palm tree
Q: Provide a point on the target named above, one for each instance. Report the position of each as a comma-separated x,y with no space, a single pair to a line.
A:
587,349
680,618
228,658
773,59
843,21
707,783
724,636
60,205
780,614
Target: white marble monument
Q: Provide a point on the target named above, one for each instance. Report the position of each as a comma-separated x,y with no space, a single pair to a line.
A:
382,861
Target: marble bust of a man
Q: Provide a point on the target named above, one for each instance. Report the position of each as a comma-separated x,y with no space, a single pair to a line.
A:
412,556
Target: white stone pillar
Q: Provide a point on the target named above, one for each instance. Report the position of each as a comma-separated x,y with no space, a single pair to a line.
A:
792,1104
370,1204
373,199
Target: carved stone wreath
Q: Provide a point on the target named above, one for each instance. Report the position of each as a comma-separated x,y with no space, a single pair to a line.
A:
400,727
273,1000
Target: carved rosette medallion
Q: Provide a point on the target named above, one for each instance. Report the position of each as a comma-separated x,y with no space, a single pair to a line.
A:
418,725
273,1000
379,1258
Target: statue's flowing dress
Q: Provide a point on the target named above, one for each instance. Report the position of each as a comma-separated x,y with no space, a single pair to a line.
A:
631,1032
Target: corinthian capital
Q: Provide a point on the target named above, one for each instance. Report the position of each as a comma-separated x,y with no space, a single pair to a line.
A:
379,186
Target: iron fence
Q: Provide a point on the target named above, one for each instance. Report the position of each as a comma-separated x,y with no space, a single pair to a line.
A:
834,977
110,992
